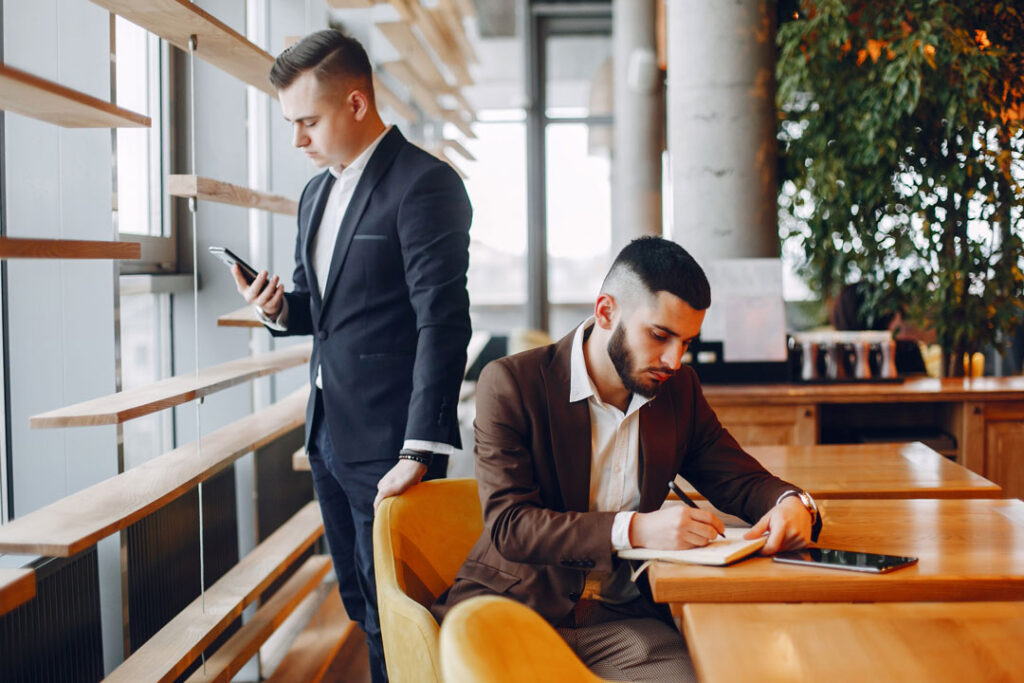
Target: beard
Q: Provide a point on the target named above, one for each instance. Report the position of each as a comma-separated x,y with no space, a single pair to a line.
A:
632,378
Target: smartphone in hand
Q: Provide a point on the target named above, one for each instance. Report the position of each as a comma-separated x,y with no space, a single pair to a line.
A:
249,274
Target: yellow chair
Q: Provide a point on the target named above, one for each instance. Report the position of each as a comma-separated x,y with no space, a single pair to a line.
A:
491,639
420,539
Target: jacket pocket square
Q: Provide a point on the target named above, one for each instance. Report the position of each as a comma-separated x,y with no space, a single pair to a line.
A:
370,237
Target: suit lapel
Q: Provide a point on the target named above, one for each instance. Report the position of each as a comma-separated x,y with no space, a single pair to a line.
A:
658,448
319,202
570,430
379,162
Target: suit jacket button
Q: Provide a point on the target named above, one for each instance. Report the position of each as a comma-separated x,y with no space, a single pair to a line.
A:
321,335
574,596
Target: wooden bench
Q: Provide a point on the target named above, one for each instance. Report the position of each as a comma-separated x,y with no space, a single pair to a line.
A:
323,644
243,646
17,586
169,652
76,522
132,403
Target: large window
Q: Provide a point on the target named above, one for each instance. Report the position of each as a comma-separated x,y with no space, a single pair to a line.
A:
145,358
497,189
141,209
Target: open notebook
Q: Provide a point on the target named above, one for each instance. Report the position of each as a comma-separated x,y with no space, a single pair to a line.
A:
719,552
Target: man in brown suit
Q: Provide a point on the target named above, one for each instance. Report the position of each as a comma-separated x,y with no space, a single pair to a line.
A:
575,445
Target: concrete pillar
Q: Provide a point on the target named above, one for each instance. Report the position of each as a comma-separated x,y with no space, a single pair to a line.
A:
721,127
639,123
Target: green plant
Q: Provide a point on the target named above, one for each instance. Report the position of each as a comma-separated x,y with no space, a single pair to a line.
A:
902,158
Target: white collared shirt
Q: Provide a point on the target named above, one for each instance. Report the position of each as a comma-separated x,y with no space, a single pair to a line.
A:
614,445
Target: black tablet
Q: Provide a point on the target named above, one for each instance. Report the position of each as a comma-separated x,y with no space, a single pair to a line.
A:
852,560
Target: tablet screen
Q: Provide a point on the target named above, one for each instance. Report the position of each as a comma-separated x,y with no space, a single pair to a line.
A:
852,560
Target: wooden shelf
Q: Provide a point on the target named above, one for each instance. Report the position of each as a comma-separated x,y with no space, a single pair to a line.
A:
467,7
400,35
320,644
133,403
459,149
351,4
48,101
455,118
166,655
464,103
78,521
300,460
387,97
17,586
421,94
15,247
217,43
449,18
245,643
243,317
414,12
440,154
212,190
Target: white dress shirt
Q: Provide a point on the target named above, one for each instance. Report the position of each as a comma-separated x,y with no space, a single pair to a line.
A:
338,199
614,461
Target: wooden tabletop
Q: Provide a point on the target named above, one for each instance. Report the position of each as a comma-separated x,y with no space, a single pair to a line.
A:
17,586
968,550
891,470
938,642
925,389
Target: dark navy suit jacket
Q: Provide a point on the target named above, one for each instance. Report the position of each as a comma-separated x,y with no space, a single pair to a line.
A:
390,333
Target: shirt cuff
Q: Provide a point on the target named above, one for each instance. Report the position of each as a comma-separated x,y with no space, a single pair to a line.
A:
620,530
432,446
280,323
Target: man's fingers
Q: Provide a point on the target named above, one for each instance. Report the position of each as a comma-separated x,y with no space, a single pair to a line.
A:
757,529
775,540
709,518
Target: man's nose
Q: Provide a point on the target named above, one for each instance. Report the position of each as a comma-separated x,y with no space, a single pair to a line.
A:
672,357
299,137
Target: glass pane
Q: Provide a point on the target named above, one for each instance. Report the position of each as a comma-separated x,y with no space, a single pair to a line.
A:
579,76
145,355
579,215
497,189
138,201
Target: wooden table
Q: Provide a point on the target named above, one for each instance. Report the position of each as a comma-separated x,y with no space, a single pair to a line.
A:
894,470
954,642
985,416
968,550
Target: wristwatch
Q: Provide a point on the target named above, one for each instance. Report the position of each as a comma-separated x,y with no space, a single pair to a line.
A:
812,507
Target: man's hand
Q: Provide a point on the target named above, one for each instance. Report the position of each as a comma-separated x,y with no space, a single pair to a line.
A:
404,474
269,300
674,527
788,525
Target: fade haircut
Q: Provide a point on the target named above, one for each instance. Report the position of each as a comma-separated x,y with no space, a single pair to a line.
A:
331,55
649,265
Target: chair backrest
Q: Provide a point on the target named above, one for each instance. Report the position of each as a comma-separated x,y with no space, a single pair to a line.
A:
491,639
420,539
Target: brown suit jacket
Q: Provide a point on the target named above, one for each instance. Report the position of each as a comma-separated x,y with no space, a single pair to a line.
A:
533,470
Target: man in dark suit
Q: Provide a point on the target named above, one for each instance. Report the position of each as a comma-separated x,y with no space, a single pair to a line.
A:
380,282
575,445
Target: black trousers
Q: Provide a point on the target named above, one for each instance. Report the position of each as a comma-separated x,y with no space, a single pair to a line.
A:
346,491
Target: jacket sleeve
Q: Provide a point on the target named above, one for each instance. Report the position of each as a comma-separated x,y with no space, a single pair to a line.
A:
730,478
521,527
433,228
299,318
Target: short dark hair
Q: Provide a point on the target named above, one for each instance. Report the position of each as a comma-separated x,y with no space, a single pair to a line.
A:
329,54
662,266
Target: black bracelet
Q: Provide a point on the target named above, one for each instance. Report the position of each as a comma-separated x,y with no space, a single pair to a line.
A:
422,457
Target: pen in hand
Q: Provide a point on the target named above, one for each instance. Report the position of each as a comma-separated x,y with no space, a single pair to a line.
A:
686,499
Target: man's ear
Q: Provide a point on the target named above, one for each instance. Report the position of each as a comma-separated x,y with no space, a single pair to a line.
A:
359,104
604,310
